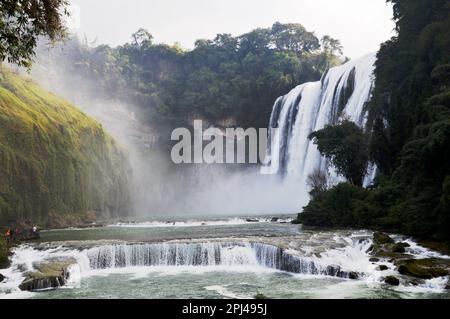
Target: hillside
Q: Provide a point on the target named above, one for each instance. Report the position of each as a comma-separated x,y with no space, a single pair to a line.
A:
57,166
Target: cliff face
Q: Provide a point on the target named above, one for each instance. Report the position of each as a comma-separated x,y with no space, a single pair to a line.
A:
57,165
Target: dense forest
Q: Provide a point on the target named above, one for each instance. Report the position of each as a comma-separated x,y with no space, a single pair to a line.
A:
408,135
227,79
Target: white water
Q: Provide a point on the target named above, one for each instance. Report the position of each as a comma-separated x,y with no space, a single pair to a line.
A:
196,223
172,258
341,94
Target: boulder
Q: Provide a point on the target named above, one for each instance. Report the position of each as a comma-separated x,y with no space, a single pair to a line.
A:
374,259
2,277
424,268
382,267
380,238
391,280
49,274
399,247
353,275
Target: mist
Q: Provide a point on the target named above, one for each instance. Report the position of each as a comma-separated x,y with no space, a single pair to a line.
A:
160,188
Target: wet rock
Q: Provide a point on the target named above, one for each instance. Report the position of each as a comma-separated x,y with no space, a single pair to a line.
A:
382,267
374,259
391,280
380,238
2,277
274,220
369,249
252,220
424,268
52,273
400,247
34,283
353,275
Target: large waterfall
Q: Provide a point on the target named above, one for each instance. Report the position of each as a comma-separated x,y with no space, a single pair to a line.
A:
341,93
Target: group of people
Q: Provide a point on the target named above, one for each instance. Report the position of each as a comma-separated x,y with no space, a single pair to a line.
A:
18,234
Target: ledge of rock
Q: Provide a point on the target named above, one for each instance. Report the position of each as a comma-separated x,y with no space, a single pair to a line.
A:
424,268
50,274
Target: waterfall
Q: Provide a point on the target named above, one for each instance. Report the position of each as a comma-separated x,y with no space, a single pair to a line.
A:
207,254
341,93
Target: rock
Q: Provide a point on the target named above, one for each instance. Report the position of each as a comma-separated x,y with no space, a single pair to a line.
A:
274,220
2,277
447,286
374,259
52,273
400,247
32,283
382,267
252,220
369,249
424,268
380,238
353,275
391,280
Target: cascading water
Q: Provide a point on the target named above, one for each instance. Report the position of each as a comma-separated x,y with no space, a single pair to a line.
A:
342,93
205,255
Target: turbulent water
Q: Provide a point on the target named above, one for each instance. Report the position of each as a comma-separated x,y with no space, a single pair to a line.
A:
342,93
250,256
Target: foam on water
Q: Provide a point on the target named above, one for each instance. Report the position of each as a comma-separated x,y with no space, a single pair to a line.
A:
347,254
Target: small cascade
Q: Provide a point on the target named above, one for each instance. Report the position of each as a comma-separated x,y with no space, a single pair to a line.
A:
207,254
342,93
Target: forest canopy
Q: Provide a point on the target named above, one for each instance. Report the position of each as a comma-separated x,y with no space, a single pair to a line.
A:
229,77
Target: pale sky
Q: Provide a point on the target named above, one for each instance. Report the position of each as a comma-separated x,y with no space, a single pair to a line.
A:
361,25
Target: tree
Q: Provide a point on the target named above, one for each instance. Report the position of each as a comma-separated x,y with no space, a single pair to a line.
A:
345,145
331,46
318,182
22,22
294,37
142,38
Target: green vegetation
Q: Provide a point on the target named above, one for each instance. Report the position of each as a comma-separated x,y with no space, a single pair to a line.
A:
4,254
58,166
409,121
234,79
23,22
346,148
341,206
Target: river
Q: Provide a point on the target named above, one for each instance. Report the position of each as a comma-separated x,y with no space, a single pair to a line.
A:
215,258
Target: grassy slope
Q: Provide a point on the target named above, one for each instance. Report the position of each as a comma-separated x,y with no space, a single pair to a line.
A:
56,164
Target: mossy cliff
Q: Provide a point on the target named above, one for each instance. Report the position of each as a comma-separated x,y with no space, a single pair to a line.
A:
57,165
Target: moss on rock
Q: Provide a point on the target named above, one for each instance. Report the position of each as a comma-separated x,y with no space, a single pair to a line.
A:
4,254
380,238
424,268
57,164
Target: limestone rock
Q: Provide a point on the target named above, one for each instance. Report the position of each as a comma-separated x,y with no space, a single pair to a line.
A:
52,273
